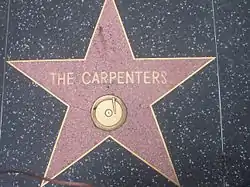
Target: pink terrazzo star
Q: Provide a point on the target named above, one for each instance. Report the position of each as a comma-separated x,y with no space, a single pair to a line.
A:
110,51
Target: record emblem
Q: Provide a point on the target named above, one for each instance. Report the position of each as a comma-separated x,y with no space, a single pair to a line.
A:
108,112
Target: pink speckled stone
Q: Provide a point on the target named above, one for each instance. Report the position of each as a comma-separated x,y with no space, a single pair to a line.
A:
109,51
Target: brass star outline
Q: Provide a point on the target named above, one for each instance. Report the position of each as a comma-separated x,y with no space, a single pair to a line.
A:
210,59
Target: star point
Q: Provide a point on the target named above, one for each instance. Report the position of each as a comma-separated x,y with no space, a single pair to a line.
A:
109,66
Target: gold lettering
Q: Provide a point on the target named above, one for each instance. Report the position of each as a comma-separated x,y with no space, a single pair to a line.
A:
53,77
164,77
146,77
112,76
61,77
104,77
83,77
155,77
130,78
120,77
96,78
138,76
70,78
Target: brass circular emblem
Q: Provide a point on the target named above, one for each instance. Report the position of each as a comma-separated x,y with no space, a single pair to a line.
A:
108,112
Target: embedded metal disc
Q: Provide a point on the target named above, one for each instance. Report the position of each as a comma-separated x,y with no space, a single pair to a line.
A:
108,112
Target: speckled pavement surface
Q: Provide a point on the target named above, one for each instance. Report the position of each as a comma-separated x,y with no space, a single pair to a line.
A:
190,117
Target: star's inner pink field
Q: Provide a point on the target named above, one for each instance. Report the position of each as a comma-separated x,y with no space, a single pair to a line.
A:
110,68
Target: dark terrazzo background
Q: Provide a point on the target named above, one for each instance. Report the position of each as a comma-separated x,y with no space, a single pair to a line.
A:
3,17
31,121
189,116
189,120
111,165
165,28
51,29
233,28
